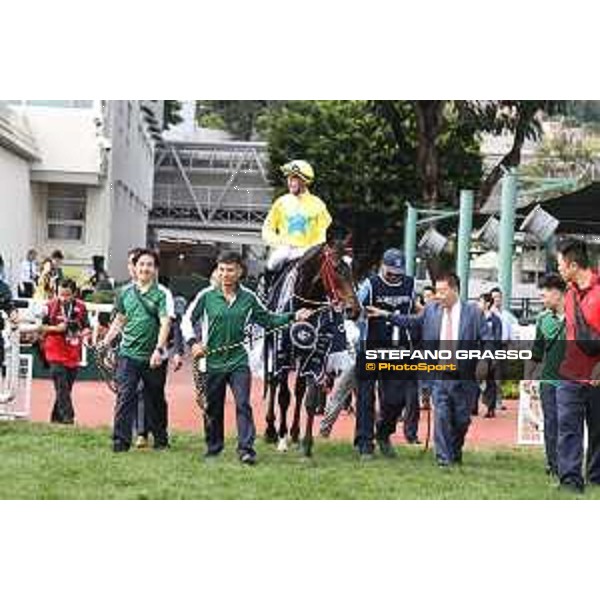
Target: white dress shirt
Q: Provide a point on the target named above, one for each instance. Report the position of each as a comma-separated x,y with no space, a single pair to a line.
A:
29,271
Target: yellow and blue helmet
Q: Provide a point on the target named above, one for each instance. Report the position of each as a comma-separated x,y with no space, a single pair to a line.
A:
299,168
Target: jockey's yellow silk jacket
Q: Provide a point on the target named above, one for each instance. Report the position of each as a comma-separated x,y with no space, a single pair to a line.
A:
298,221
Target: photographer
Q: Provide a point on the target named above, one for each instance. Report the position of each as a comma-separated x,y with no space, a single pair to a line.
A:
64,325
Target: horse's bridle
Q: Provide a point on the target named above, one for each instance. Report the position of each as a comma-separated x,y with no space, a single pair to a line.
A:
327,272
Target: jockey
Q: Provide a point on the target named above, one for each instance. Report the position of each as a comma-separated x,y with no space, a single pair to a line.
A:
297,220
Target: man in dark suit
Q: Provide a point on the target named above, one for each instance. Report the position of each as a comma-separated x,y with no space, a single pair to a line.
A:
451,323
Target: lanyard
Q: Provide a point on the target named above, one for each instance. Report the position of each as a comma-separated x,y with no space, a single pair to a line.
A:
69,314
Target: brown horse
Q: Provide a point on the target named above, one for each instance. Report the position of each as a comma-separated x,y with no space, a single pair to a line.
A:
321,281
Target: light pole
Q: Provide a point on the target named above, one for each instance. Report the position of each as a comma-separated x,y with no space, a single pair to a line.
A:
465,228
507,235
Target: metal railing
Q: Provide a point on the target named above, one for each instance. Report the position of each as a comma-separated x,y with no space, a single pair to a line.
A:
211,198
215,157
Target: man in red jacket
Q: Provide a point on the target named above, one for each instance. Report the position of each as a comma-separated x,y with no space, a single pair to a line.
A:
578,396
64,326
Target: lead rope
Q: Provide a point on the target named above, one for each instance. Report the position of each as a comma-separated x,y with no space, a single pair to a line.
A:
199,376
313,302
106,365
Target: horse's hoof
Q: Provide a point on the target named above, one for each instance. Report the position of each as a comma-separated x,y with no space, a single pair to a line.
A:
282,445
271,438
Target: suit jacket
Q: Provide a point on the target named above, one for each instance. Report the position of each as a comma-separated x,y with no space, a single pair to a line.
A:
473,331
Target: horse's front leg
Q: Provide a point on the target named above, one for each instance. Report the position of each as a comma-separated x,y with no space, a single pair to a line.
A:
271,432
311,401
284,399
299,390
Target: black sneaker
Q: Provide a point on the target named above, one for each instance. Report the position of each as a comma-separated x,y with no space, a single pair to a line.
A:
120,448
248,459
572,488
366,454
211,456
386,449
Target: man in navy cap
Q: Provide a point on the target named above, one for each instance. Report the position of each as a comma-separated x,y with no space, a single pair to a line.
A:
392,291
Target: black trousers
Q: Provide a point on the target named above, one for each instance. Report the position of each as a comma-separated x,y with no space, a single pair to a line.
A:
129,374
63,378
490,394
394,394
397,397
2,366
577,406
412,412
214,416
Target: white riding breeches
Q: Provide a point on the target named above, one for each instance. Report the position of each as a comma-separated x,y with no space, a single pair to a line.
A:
283,254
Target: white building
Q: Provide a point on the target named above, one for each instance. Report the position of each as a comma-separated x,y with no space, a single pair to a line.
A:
17,153
90,179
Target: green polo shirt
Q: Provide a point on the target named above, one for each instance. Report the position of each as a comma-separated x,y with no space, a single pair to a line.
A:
219,324
140,333
550,345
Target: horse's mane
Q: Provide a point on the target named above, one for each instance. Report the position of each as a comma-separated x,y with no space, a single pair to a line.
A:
309,255
308,271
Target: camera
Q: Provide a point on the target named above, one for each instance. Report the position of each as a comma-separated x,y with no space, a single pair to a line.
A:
72,327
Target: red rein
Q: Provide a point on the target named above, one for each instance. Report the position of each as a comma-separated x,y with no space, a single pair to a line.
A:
328,276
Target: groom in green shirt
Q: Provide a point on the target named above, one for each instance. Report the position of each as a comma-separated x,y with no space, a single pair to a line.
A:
548,353
214,327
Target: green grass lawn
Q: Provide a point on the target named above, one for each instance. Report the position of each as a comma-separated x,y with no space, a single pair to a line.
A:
43,461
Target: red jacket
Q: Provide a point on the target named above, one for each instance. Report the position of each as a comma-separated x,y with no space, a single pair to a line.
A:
577,364
63,348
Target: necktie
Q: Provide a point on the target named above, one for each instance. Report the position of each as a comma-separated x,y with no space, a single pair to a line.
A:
449,342
448,333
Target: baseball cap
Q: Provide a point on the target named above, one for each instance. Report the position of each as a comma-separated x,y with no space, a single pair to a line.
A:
393,259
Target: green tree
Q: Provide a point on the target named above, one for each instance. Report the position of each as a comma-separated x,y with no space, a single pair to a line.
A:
171,113
368,161
211,120
443,146
568,153
239,117
584,111
520,118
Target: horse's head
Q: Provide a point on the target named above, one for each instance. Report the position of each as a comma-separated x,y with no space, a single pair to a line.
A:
324,276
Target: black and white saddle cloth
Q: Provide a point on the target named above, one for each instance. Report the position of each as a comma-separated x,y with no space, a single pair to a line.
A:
306,347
